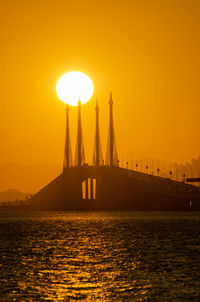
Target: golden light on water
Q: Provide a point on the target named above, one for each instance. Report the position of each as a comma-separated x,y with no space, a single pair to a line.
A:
73,86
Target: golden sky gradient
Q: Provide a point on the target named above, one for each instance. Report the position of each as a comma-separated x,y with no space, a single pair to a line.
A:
146,52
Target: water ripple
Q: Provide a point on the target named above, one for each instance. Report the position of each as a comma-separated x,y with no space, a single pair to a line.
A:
104,256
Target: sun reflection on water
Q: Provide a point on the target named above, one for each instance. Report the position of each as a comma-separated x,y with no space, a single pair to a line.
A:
90,257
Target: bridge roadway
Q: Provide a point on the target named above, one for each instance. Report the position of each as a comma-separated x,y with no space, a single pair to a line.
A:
106,188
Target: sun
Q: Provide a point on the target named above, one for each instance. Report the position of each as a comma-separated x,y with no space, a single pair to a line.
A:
73,86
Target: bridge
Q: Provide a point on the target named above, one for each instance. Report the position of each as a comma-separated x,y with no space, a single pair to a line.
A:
193,179
106,186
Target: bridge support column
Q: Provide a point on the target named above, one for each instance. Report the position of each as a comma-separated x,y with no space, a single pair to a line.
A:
111,131
79,154
86,189
91,188
79,134
111,155
67,155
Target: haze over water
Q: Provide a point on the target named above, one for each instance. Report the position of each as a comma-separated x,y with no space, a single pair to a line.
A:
102,256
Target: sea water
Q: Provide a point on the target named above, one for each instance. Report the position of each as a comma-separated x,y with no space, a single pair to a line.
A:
99,256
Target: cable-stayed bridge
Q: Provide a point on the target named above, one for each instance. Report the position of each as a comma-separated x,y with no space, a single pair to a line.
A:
106,186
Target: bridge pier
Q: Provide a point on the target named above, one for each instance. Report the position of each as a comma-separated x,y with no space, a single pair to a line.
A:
91,188
86,189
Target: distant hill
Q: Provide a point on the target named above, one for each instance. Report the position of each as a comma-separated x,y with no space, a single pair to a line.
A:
13,195
26,178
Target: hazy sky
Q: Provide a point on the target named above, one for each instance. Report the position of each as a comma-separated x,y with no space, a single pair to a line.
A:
146,52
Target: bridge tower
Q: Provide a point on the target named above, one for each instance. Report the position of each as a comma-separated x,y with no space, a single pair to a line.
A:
97,156
111,154
68,152
80,153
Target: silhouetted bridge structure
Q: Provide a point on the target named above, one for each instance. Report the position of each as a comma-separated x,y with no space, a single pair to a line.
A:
106,186
193,179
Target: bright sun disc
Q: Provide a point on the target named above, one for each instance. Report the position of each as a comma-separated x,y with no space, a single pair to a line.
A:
73,86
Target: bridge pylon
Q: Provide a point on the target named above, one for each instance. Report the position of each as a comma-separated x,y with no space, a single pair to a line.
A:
97,155
68,152
111,153
80,153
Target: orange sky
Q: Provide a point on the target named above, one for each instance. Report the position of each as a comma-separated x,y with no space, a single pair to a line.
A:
146,52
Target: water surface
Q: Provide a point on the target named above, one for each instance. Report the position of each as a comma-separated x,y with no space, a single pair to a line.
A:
102,256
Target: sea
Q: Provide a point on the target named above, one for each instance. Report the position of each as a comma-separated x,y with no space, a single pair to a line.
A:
99,256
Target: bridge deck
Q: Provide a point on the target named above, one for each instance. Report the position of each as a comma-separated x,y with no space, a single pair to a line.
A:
105,188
